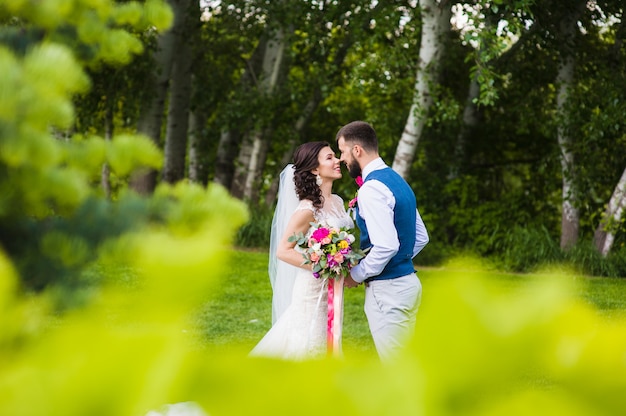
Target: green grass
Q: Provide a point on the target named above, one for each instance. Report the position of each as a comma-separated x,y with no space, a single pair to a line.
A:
238,313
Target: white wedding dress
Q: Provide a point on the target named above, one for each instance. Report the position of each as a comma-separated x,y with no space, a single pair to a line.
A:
300,331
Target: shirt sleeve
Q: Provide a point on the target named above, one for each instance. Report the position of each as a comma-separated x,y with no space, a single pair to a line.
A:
376,204
421,234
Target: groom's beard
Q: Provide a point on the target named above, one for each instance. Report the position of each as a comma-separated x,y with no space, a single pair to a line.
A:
354,169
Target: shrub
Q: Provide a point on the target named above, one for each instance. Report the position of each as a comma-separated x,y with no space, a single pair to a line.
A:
525,248
256,232
52,220
586,258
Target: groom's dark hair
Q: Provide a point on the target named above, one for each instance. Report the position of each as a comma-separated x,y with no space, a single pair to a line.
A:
361,133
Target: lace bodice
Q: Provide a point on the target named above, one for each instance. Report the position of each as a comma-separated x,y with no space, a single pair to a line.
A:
332,214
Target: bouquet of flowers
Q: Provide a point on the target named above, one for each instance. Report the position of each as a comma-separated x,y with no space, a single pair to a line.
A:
332,255
330,250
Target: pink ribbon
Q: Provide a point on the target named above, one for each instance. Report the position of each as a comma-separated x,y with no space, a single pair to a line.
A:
335,317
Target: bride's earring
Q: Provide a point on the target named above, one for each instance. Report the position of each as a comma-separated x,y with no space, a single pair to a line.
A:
318,180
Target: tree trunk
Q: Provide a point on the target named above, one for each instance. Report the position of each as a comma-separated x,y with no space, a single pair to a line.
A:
605,233
435,23
237,187
180,96
198,172
253,184
227,171
253,165
151,115
105,176
249,165
470,121
301,123
471,111
616,54
335,74
570,216
226,153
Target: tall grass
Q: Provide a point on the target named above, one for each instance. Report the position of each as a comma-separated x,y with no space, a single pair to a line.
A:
526,249
256,232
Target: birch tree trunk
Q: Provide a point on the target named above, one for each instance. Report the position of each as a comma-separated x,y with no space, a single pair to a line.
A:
435,23
175,149
105,175
301,123
605,233
232,135
151,115
242,164
470,121
570,216
335,76
249,166
253,164
226,153
272,192
488,47
197,171
257,165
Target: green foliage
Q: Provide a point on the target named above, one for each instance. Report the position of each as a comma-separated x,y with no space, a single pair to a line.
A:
256,232
525,249
484,344
53,223
72,254
586,258
477,219
529,248
94,30
170,264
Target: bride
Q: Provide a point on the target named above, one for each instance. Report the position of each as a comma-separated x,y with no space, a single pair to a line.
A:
299,303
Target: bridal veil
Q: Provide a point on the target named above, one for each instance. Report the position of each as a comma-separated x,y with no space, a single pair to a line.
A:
282,275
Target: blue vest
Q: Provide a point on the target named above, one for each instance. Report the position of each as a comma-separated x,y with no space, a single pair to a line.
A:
404,217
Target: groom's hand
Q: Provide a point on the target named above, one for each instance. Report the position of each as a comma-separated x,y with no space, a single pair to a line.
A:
349,282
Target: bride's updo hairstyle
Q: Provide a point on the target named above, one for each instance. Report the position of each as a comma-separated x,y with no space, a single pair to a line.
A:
305,159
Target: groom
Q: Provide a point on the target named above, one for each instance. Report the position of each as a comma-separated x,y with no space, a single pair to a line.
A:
392,228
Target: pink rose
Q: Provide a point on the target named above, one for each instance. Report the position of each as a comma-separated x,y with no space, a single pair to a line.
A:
338,258
359,181
315,257
320,234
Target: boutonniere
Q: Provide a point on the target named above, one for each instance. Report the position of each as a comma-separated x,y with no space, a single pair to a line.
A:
353,201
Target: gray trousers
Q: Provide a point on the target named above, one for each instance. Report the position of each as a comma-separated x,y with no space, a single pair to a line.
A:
391,307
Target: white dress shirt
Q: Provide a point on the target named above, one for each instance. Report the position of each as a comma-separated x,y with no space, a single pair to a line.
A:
376,204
